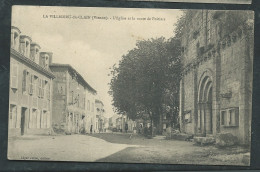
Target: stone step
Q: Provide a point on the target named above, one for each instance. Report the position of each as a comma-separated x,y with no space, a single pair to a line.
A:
204,140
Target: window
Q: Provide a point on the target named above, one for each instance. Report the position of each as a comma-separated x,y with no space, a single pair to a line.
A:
33,118
84,102
43,88
92,108
187,117
47,89
78,102
223,118
14,75
48,123
35,80
13,116
38,119
27,49
88,105
71,97
39,87
24,82
16,39
230,117
31,84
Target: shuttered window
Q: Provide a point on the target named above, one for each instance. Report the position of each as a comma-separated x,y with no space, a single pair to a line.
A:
24,85
39,87
35,85
47,90
43,88
31,84
12,116
14,76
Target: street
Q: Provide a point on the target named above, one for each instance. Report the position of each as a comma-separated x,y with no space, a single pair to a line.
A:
120,147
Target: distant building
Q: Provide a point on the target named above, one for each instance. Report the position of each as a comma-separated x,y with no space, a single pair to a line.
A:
90,110
30,96
122,121
69,100
99,115
216,84
112,121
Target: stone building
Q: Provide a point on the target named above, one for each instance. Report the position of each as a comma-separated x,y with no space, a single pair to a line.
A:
90,110
30,96
69,99
216,84
99,115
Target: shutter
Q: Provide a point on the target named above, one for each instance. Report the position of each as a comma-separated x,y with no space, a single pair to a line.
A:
18,117
28,79
48,120
32,84
14,77
43,88
13,116
39,87
10,116
24,81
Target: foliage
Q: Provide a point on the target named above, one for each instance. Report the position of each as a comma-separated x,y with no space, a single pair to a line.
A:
146,82
231,20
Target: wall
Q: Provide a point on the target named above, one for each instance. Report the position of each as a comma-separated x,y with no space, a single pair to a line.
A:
59,98
24,99
228,62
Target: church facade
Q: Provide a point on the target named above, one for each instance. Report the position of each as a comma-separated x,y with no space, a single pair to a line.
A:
216,84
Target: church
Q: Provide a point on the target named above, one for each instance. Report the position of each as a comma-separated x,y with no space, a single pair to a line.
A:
217,75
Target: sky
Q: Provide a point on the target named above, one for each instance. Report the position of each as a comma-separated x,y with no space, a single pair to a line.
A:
92,39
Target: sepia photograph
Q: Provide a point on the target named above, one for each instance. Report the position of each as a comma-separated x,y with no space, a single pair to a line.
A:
131,85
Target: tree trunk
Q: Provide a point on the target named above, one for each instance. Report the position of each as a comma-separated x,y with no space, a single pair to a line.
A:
151,127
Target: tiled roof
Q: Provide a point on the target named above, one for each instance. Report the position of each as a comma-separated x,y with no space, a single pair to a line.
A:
32,63
74,70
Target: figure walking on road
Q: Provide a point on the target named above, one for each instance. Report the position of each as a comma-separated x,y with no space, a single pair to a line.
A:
91,129
126,127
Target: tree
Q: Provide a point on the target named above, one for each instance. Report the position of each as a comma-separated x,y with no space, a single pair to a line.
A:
146,79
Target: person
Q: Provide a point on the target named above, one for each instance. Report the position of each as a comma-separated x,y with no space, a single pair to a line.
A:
91,129
126,127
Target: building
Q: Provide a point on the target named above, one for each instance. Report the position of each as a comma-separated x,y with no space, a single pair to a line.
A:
69,100
112,121
90,110
30,96
122,121
99,115
216,84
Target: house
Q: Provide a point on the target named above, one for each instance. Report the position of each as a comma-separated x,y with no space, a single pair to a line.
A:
99,115
216,84
30,94
90,110
69,100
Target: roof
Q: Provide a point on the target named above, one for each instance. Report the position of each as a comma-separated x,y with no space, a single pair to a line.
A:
75,71
99,101
32,63
14,27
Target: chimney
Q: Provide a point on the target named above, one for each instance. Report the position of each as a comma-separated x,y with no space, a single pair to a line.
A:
25,43
35,52
45,59
15,37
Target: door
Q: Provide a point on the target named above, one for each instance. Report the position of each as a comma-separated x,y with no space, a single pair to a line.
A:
23,120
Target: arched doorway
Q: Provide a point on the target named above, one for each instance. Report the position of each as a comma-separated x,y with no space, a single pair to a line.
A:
204,122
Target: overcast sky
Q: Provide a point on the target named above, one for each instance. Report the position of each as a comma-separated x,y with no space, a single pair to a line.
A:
92,46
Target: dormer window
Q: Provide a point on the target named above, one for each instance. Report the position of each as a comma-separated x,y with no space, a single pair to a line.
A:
15,39
27,48
35,59
46,62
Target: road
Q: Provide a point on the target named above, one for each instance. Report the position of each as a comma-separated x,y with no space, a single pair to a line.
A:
116,147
